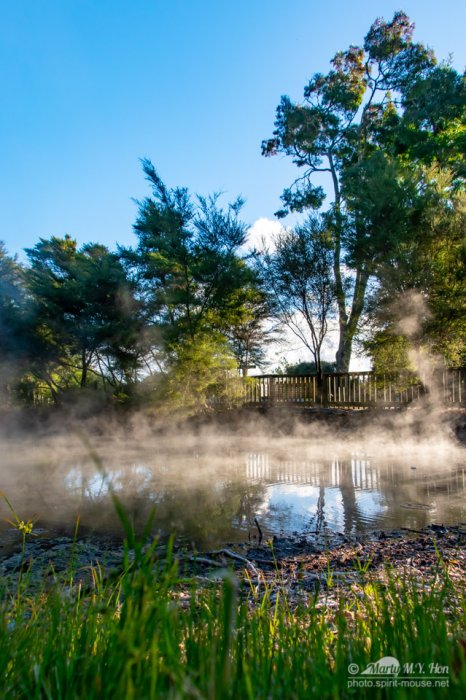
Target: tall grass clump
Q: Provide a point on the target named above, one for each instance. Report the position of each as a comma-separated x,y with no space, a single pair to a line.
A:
150,631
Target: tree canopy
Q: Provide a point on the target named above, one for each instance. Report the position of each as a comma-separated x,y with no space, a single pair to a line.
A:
383,109
192,276
83,309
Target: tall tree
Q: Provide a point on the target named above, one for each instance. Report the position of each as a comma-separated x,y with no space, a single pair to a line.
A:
346,119
298,271
84,310
191,275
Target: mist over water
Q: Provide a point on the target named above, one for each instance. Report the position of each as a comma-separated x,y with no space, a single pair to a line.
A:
210,485
293,472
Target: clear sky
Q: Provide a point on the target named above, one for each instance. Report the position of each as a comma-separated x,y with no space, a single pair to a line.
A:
90,86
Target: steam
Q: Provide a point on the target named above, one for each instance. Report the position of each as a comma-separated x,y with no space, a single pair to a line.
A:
412,314
209,479
204,474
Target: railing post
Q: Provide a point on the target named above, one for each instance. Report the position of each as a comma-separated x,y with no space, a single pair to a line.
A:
322,389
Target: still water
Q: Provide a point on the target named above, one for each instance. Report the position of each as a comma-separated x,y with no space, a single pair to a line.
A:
211,490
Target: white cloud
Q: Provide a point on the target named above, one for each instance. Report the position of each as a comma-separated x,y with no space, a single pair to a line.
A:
262,232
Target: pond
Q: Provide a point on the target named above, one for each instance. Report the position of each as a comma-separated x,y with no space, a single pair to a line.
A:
213,489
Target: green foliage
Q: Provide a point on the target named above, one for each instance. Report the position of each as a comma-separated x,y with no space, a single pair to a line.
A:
432,128
198,290
83,310
12,346
184,304
254,331
388,126
381,114
11,297
389,352
201,374
423,278
337,122
386,213
191,276
303,368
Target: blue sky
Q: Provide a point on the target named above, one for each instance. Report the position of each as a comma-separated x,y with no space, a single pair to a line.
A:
90,86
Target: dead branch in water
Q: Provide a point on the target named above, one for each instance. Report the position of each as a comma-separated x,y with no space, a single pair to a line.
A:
238,557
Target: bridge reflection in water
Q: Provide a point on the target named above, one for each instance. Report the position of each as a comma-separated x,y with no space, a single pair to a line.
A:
262,468
213,492
357,493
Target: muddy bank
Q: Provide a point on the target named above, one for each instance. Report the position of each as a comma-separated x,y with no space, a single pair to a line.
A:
423,554
301,566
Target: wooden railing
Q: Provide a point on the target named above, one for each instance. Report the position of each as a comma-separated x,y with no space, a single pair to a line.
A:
275,388
355,389
454,386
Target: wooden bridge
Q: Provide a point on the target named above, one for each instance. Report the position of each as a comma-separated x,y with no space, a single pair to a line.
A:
356,389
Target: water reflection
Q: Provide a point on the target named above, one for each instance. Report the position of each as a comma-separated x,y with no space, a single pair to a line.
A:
213,494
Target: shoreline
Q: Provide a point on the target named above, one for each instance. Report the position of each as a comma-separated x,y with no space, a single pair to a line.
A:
301,564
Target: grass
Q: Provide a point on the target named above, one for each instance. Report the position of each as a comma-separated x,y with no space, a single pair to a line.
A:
152,632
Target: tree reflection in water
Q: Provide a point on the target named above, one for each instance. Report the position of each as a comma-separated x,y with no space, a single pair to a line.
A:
213,494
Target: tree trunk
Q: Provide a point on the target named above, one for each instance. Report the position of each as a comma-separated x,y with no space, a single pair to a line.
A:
348,326
345,346
84,369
